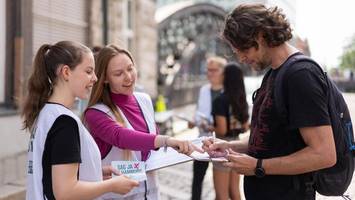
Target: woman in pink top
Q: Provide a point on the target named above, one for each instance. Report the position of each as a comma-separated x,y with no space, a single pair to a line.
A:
122,121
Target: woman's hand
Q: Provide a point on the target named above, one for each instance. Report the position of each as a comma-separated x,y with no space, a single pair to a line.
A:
122,184
191,124
108,170
182,146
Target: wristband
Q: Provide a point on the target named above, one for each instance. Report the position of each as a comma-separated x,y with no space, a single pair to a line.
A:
165,143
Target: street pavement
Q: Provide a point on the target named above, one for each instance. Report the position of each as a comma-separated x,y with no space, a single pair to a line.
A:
175,182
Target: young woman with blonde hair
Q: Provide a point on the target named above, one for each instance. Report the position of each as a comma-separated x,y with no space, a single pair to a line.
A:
122,121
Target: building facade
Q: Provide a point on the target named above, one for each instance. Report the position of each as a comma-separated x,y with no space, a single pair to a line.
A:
2,48
130,24
27,24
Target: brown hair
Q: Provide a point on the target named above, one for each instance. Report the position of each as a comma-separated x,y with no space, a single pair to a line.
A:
95,50
44,75
101,91
244,24
233,84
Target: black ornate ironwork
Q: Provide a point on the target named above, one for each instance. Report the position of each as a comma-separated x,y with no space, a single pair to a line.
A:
186,38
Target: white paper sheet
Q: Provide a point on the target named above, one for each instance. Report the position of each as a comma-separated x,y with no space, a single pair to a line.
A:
161,159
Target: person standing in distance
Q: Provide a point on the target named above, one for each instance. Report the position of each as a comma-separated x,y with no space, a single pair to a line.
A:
230,114
203,116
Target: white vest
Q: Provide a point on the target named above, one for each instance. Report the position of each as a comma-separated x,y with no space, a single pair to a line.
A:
116,153
90,166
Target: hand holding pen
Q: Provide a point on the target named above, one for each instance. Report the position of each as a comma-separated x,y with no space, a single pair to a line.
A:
215,147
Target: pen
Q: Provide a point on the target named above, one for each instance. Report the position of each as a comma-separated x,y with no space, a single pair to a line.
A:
213,140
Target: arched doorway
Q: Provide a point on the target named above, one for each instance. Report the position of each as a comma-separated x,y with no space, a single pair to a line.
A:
188,33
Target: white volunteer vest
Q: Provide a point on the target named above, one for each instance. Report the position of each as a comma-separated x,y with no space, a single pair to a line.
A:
116,153
90,166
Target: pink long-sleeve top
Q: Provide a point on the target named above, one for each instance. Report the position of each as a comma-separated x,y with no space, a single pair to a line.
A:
107,132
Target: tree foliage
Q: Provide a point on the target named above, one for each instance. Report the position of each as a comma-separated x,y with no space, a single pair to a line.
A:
348,57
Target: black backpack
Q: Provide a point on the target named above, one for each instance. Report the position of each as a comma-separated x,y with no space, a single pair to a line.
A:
335,180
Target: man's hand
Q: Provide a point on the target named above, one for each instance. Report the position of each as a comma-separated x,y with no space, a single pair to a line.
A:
211,144
216,147
241,163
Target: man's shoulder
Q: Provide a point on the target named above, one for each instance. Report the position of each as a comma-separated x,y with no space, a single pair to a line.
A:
307,64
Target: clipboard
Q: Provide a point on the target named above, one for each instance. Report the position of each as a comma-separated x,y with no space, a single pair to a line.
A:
161,159
205,157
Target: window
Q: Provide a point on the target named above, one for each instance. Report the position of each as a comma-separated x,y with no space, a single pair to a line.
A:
128,23
2,50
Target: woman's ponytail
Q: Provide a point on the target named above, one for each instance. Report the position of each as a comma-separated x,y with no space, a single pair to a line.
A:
39,88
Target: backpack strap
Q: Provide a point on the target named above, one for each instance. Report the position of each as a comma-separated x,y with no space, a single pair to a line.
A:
255,93
286,70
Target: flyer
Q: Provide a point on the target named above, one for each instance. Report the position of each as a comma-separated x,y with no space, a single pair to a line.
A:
132,169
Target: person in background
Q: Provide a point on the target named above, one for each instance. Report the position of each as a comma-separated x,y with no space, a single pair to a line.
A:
203,117
230,114
95,50
63,159
122,121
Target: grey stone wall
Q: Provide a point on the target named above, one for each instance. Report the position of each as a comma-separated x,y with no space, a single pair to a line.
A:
144,41
146,52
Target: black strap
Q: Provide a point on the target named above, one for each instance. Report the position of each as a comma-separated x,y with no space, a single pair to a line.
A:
310,190
346,197
145,190
282,75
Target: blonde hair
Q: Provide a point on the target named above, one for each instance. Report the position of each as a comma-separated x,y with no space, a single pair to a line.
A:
221,62
101,90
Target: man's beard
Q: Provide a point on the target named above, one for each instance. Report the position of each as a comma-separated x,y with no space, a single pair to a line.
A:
263,63
260,66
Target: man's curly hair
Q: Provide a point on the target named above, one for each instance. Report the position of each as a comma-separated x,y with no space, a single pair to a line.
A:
244,24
